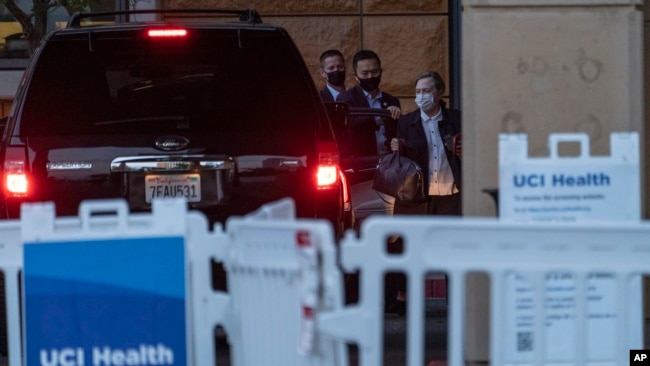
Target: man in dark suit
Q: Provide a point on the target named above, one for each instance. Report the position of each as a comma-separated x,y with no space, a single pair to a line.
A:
367,70
367,134
332,69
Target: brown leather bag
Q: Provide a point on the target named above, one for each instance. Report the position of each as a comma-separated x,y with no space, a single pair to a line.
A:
400,177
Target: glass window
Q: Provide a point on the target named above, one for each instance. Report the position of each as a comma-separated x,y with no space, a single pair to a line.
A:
12,42
212,83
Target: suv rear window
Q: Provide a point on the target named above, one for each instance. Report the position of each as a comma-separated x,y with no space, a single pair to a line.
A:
212,81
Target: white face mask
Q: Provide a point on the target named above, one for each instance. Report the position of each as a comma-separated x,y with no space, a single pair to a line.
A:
424,101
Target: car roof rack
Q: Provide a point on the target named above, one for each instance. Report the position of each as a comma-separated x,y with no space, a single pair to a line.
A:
246,15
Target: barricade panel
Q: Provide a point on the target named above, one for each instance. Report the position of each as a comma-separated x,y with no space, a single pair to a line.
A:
99,292
267,252
573,285
140,262
560,294
280,273
567,189
11,253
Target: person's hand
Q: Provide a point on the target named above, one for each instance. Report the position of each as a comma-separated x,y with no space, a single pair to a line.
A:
395,112
458,146
394,144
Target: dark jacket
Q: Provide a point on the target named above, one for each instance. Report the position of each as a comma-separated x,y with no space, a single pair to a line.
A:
414,141
356,98
362,128
326,95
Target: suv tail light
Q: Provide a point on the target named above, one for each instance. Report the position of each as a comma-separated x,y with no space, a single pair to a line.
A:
14,175
327,176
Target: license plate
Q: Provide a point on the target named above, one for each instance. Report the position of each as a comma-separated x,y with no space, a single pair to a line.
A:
187,186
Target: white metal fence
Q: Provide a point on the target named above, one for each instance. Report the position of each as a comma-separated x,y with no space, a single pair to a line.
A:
560,294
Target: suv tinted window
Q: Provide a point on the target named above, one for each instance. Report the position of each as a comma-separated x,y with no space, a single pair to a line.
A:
171,85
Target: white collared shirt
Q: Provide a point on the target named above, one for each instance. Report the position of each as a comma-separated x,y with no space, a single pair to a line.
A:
441,179
373,102
335,93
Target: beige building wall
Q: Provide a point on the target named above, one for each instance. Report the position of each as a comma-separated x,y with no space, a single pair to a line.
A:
410,36
535,68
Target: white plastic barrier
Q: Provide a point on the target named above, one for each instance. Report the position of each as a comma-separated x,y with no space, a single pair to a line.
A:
570,282
569,189
279,271
11,254
96,254
597,267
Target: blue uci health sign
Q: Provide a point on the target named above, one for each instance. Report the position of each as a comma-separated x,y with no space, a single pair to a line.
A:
105,302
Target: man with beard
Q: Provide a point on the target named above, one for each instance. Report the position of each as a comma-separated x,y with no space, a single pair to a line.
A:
367,70
332,69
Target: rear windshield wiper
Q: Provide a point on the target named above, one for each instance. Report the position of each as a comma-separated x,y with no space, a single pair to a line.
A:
181,121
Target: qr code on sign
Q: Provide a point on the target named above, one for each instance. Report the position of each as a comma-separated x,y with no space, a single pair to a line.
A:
524,341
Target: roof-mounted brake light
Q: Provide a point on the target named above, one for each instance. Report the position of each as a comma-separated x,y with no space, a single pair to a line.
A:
167,33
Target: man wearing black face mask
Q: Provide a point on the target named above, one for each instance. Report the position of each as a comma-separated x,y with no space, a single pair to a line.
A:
332,69
367,69
368,134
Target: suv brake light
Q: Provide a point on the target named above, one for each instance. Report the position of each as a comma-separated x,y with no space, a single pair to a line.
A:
328,166
167,33
16,183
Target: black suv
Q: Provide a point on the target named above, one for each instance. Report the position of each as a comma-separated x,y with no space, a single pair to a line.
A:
223,113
